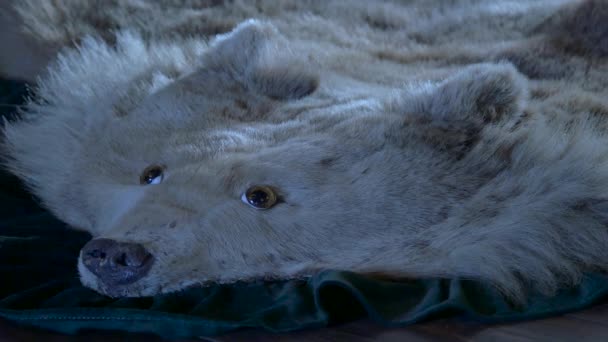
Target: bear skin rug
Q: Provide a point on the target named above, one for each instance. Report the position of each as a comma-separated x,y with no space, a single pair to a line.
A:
216,141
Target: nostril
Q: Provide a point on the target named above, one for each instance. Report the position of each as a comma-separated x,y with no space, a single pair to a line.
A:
96,251
130,255
131,260
121,259
96,254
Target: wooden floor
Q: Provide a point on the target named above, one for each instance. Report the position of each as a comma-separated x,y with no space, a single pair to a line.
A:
587,325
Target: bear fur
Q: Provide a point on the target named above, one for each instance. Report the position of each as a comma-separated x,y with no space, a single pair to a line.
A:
420,139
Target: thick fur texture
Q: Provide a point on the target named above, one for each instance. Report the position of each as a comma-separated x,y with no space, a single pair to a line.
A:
428,139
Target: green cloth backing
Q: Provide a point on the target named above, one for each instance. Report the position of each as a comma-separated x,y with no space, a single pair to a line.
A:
39,287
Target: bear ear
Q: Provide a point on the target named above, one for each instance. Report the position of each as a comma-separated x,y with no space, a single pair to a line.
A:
482,93
258,56
452,114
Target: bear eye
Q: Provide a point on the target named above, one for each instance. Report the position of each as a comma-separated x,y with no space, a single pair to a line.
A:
152,175
260,197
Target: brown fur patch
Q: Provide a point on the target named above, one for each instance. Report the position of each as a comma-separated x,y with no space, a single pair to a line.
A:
241,104
584,30
327,162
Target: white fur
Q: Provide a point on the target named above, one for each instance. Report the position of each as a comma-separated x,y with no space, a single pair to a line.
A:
420,139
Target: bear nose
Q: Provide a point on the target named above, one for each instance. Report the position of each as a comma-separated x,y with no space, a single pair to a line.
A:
116,263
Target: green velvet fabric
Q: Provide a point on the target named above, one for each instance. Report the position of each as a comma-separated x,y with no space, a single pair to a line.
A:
39,287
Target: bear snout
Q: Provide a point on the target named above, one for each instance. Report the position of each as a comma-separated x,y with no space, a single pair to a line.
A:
116,263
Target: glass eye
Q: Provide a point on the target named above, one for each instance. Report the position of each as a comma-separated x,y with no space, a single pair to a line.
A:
152,175
260,197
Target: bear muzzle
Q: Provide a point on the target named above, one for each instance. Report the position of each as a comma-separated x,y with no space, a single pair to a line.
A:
116,263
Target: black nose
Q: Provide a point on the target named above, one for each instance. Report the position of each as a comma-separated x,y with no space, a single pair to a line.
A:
116,263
